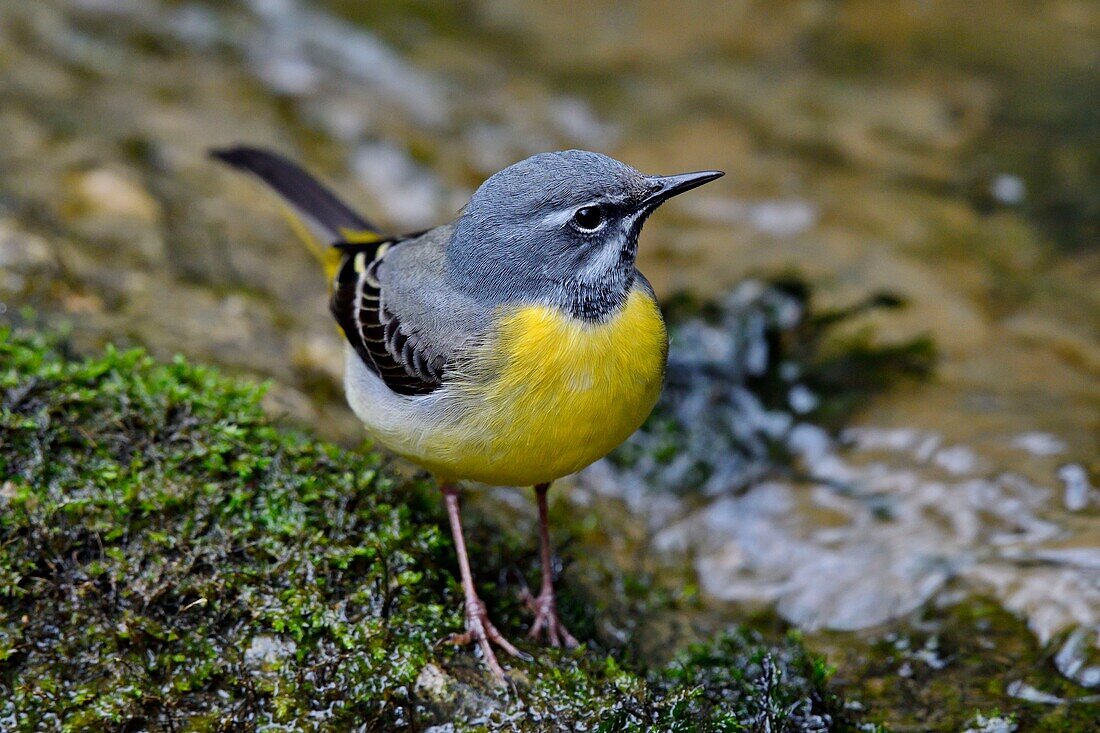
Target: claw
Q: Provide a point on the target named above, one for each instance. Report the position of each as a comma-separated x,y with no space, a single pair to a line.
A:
546,620
480,631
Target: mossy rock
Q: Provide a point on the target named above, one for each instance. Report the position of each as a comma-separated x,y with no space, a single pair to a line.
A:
171,560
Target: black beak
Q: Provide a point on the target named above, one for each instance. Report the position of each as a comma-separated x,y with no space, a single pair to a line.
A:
665,187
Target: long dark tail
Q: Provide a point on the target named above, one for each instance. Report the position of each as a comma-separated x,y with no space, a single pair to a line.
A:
328,220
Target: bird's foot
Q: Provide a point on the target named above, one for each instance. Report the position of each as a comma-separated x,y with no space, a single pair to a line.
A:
545,608
480,631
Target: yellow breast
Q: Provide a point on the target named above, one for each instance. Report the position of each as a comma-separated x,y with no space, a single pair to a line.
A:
561,393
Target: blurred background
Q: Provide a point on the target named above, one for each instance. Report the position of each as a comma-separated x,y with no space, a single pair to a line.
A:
882,422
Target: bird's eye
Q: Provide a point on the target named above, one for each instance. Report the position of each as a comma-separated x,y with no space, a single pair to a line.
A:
588,218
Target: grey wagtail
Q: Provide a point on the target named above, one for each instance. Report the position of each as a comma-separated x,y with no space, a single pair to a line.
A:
512,346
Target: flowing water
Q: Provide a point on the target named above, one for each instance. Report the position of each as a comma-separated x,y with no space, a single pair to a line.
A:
943,154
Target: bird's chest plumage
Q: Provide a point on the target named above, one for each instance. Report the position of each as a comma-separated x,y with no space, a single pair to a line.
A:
560,392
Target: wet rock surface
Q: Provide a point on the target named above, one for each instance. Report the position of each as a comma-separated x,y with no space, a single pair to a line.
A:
170,560
939,154
866,526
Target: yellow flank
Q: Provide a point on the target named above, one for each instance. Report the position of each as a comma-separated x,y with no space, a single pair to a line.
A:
560,393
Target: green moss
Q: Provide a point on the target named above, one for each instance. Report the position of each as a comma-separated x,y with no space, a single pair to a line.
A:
170,560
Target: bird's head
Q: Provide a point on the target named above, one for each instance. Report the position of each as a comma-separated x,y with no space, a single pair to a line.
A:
560,228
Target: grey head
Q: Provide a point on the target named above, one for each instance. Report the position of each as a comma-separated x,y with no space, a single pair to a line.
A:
559,228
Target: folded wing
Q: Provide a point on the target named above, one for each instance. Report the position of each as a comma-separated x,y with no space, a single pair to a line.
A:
405,357
400,355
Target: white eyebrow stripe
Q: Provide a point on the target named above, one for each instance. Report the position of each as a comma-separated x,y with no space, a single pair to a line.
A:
559,218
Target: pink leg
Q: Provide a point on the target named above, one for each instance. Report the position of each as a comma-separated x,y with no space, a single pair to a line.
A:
545,607
479,629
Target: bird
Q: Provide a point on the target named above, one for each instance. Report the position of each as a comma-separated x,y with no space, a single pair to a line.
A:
511,346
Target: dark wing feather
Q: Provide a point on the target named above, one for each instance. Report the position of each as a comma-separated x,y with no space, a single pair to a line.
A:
397,357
